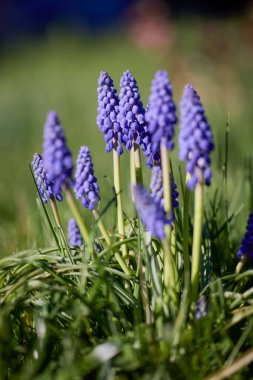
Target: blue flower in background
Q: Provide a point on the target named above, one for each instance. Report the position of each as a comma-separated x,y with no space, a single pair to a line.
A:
246,248
201,307
74,234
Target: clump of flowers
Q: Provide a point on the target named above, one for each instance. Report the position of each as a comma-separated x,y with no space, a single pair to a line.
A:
246,248
86,186
57,158
45,186
195,138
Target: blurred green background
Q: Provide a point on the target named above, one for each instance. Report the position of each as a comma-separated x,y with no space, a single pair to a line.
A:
59,70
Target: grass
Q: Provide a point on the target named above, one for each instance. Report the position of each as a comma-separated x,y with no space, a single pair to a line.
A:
81,316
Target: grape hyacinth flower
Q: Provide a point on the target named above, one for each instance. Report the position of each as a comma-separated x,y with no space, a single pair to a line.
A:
246,248
132,117
156,187
56,156
107,121
44,185
108,108
161,112
86,187
150,211
74,233
201,307
195,138
154,218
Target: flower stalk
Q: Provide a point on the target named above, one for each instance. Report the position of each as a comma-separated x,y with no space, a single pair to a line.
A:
137,161
197,235
117,186
169,272
76,214
187,274
166,179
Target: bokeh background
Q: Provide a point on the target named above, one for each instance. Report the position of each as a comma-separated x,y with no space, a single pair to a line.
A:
51,53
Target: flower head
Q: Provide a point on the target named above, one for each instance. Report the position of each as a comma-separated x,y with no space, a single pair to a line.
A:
161,112
86,186
195,138
56,156
246,248
108,107
44,185
74,233
150,211
132,117
201,307
156,187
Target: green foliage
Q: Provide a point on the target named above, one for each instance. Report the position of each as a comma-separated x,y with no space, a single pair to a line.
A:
87,319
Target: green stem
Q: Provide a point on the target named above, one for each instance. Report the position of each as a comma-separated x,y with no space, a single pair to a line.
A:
187,278
58,222
132,170
117,185
240,265
55,211
166,179
102,228
122,263
197,235
169,271
137,162
108,241
174,241
77,215
145,296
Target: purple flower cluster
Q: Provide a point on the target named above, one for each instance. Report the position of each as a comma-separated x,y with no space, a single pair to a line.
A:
150,211
132,117
161,112
107,122
201,307
44,185
246,248
56,156
156,187
86,186
74,234
195,138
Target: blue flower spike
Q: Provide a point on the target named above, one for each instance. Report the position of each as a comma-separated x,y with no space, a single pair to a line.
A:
107,117
132,117
86,187
57,157
74,234
195,138
45,186
161,112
